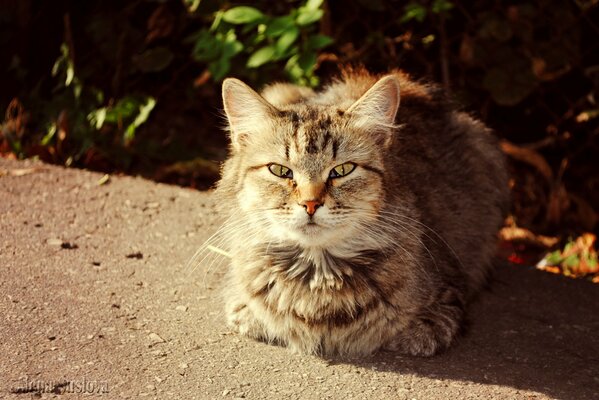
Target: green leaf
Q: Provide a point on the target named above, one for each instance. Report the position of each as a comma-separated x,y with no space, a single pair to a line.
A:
287,39
554,258
56,67
231,49
294,71
307,61
144,111
231,46
154,60
313,4
413,11
49,135
316,42
440,6
192,5
428,39
142,116
207,47
219,69
77,88
307,16
592,262
97,117
571,261
70,74
242,15
217,18
124,108
261,56
277,26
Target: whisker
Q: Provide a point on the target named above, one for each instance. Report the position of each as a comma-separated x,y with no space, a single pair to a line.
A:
431,230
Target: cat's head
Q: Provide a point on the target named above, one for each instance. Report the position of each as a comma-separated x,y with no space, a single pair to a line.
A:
310,172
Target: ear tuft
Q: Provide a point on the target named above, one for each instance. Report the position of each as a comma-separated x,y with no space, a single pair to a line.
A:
246,110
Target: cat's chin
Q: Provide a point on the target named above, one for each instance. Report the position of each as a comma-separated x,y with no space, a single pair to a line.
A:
313,235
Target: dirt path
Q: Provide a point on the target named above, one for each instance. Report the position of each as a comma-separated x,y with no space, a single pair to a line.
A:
94,295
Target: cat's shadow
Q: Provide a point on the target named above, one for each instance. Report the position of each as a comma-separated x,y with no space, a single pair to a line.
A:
530,330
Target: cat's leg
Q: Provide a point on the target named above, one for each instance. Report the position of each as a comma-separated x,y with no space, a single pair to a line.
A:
431,330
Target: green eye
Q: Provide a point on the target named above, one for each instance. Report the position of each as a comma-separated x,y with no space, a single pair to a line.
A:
342,170
280,170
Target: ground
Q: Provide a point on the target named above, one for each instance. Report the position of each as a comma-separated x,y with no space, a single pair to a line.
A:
94,295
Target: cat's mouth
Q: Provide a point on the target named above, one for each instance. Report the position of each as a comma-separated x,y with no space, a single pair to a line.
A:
311,227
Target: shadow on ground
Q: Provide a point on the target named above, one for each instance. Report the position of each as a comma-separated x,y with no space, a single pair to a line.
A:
531,330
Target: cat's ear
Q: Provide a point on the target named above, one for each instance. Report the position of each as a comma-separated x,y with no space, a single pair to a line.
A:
377,108
246,110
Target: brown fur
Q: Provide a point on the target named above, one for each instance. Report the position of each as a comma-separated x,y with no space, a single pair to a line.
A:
400,243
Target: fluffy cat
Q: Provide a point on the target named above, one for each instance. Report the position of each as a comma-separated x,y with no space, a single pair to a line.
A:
355,223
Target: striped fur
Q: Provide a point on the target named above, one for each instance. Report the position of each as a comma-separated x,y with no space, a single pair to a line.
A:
395,249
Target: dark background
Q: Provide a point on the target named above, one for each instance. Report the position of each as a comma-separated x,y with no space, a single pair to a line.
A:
529,69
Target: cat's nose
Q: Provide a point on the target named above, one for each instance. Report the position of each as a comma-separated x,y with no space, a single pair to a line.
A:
311,206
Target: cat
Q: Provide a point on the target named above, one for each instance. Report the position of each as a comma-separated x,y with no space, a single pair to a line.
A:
357,222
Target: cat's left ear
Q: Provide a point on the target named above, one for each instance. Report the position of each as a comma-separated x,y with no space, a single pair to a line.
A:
246,110
377,108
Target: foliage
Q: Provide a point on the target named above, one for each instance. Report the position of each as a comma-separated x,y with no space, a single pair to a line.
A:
245,37
76,115
577,258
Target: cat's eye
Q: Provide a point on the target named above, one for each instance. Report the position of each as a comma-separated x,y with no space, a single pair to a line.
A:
342,170
280,170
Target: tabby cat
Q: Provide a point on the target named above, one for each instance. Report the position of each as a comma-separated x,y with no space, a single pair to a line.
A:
356,224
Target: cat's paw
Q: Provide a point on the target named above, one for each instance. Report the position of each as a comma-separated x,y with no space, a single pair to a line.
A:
426,336
242,320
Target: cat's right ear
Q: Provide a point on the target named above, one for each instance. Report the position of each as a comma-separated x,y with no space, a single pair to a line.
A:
246,110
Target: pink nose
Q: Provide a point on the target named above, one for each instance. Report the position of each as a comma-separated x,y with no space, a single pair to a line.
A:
311,206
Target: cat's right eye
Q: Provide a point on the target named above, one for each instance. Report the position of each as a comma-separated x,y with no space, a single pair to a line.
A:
280,170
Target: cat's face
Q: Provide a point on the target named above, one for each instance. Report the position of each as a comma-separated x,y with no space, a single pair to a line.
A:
308,173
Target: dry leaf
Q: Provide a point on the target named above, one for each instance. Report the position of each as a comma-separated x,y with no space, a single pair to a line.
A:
577,259
160,24
202,78
103,180
512,232
529,157
21,171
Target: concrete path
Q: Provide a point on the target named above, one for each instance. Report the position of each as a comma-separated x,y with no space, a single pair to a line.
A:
95,297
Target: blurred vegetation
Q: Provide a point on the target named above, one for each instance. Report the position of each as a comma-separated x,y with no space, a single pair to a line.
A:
134,86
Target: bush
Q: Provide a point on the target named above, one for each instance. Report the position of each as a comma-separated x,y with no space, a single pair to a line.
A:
82,79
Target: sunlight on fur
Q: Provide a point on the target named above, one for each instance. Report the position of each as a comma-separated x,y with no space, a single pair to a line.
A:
354,223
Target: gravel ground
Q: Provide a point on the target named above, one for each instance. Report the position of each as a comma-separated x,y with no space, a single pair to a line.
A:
95,301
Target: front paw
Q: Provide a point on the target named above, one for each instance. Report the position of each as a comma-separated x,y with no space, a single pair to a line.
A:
426,336
242,320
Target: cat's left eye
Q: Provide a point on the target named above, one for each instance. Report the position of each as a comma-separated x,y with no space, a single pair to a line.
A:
280,170
342,170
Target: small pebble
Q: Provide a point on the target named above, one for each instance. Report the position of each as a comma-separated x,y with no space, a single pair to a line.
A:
54,242
155,339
